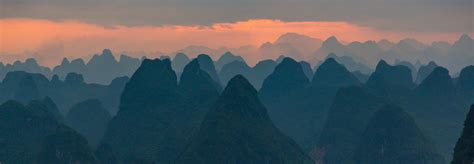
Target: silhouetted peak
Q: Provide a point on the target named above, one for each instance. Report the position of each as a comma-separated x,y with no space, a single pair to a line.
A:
425,70
287,77
31,62
239,86
330,61
78,62
65,61
107,53
239,111
439,79
465,38
55,79
411,43
106,57
280,58
228,53
382,65
467,75
194,78
331,73
74,78
149,68
432,64
204,57
207,64
331,40
391,79
153,74
440,73
181,57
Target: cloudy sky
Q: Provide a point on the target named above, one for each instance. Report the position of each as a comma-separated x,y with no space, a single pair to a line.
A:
50,28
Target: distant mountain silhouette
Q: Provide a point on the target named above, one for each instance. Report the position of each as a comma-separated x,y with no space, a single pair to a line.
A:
406,49
349,63
464,150
348,116
23,86
409,66
287,78
261,70
29,65
385,44
90,119
101,69
438,109
77,66
392,82
179,62
308,71
270,50
392,136
207,65
331,45
304,44
234,68
227,58
155,106
333,74
424,71
238,130
284,93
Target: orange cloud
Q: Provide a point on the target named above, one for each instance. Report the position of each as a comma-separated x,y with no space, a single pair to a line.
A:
50,41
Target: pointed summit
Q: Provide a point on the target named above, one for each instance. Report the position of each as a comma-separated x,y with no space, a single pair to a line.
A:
333,74
238,130
331,41
227,58
196,82
393,136
149,105
393,81
382,66
465,38
287,78
65,61
439,82
207,65
425,70
153,82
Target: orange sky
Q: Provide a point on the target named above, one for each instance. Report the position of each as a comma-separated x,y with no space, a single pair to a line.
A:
49,41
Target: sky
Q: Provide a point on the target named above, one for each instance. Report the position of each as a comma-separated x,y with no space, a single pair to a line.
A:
52,29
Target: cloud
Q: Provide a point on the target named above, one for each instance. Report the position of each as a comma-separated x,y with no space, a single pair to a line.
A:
392,15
